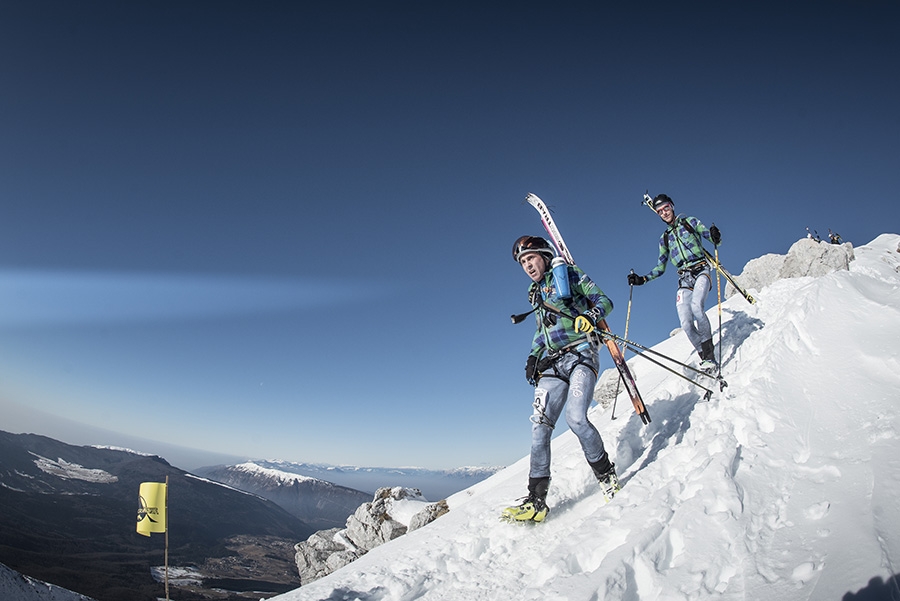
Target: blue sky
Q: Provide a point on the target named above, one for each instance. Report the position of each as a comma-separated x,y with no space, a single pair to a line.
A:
283,230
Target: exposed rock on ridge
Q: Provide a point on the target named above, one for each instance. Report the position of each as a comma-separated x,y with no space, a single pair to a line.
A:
392,513
806,258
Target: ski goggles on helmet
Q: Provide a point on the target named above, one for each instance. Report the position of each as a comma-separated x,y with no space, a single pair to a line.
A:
531,244
661,201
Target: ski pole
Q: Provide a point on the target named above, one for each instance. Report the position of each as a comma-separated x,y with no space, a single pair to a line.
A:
667,368
635,347
628,313
722,383
719,295
627,321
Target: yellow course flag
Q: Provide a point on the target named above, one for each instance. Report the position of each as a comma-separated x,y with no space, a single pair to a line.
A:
151,516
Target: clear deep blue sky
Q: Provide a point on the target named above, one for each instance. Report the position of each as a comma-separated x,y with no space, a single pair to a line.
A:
283,230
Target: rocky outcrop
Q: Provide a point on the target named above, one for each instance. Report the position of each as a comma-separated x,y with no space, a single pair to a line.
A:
758,273
392,513
806,258
607,387
372,525
322,553
810,258
428,515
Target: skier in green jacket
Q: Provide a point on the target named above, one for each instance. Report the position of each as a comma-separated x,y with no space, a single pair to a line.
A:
681,244
562,366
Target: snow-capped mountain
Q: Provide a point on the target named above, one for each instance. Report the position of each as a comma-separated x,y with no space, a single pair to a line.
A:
783,486
318,503
434,484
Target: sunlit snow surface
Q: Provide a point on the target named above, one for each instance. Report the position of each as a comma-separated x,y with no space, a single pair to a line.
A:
783,486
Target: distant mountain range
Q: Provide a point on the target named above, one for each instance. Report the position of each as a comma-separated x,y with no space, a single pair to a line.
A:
324,496
68,516
318,503
434,484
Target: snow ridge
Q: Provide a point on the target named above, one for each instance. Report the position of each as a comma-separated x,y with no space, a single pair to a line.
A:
273,474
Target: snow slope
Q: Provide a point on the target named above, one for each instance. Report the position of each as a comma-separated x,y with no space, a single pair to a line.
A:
783,486
18,587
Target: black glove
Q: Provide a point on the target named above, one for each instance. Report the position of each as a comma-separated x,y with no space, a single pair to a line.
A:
531,370
635,279
715,235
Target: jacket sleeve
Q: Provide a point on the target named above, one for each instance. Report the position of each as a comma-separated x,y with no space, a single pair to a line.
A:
602,305
662,260
698,226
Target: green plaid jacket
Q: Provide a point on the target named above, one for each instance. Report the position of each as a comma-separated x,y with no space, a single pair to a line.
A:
680,246
555,331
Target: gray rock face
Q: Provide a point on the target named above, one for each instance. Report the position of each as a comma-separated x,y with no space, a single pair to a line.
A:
810,258
322,553
806,258
391,514
758,273
607,387
428,515
371,524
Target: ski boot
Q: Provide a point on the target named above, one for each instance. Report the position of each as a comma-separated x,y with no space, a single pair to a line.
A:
534,507
708,358
605,472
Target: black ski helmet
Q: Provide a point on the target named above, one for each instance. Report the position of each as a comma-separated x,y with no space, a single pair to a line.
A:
660,200
532,244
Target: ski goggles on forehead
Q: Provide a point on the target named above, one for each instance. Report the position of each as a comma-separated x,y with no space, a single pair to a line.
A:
527,244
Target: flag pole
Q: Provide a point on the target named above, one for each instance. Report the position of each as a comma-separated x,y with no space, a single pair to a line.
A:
167,538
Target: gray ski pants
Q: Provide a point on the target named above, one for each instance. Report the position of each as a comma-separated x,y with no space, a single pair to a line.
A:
690,306
551,395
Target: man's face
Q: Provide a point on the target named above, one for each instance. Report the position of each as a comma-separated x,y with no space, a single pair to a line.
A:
534,265
666,212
